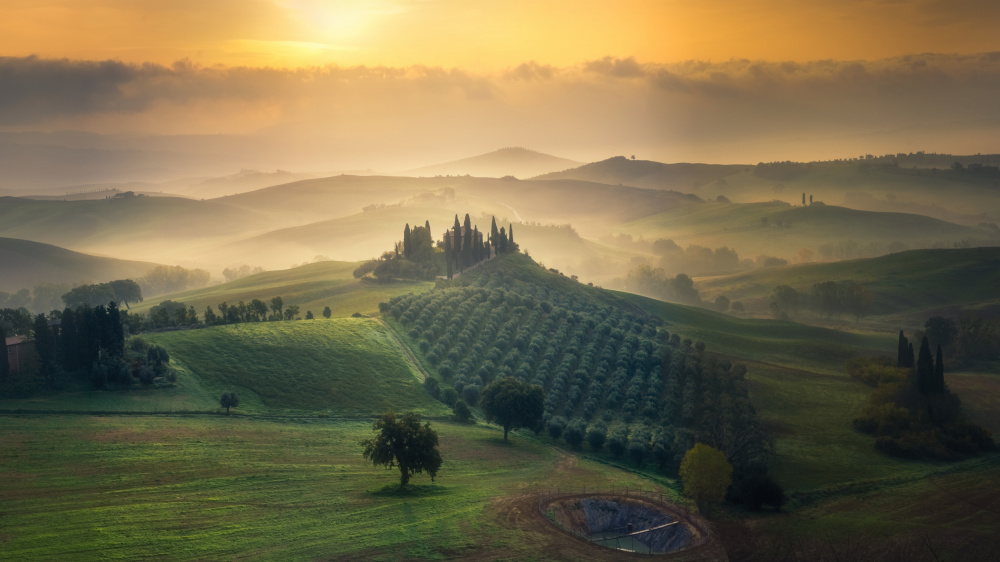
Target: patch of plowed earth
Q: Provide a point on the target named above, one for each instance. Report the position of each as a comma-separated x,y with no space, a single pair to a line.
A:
548,542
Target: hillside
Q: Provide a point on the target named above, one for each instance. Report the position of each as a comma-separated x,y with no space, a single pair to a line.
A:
312,287
646,173
777,229
514,161
158,228
916,283
25,264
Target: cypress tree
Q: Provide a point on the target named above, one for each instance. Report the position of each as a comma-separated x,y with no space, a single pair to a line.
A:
467,241
70,337
510,233
45,345
476,246
4,360
925,368
116,339
427,225
407,242
502,244
493,230
909,355
939,371
901,348
447,253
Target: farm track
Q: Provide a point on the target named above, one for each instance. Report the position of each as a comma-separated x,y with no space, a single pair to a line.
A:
405,350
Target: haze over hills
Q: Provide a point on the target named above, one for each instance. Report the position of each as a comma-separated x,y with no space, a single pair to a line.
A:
26,264
646,173
513,161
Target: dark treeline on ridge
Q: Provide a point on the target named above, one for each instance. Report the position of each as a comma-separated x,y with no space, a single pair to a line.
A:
418,256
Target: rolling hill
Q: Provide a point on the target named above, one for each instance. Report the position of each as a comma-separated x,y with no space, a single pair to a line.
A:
916,283
778,229
646,173
312,287
25,264
514,161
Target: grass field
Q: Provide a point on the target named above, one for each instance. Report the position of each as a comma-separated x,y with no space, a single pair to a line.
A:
127,488
311,287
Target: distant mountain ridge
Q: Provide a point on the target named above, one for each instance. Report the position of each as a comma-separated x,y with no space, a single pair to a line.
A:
512,161
647,173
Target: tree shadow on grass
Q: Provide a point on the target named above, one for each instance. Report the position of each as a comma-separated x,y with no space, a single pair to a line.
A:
410,490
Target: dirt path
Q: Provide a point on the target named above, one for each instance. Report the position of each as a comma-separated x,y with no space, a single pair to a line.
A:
405,350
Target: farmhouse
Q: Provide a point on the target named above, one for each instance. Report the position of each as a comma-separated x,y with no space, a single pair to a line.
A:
15,352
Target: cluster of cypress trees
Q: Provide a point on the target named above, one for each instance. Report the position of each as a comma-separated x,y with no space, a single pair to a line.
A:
929,373
465,246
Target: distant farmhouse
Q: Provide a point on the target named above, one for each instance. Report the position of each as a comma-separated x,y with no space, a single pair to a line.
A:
16,349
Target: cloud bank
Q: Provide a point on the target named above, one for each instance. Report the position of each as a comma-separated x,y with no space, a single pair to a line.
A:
733,111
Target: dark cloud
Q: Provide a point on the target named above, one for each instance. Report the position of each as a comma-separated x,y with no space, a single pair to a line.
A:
599,106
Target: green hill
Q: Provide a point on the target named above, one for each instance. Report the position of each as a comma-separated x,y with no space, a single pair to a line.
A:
919,283
344,366
312,287
25,264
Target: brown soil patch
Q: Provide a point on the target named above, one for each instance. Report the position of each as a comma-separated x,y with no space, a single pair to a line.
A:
551,543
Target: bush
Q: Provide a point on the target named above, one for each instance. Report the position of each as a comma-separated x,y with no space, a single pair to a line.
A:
471,394
597,434
449,396
432,387
754,487
462,411
617,442
574,433
556,426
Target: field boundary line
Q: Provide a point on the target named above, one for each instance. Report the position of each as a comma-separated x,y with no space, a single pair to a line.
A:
407,352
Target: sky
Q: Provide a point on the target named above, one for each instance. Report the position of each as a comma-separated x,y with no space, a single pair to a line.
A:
402,83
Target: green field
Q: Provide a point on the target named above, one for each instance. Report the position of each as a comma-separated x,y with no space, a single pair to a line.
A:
311,287
125,488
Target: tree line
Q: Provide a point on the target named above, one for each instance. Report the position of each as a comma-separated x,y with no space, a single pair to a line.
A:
87,345
829,298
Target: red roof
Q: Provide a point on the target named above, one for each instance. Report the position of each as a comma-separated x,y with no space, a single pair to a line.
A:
14,340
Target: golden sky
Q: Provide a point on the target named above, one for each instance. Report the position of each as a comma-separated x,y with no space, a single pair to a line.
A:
490,34
400,83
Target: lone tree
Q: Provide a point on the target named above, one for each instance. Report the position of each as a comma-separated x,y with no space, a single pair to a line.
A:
327,312
402,442
706,475
513,404
229,400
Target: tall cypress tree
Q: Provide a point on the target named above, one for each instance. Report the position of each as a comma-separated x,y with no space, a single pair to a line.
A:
939,371
925,368
45,345
510,233
494,232
447,253
901,348
909,355
476,246
467,241
502,243
407,242
116,339
69,341
4,360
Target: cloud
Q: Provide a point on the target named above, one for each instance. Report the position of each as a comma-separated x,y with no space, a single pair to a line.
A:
736,110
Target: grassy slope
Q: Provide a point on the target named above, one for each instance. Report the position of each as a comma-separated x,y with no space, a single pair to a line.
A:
344,366
311,286
225,488
646,173
739,226
799,386
25,264
913,281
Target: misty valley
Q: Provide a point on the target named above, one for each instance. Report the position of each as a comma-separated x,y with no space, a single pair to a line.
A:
514,355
